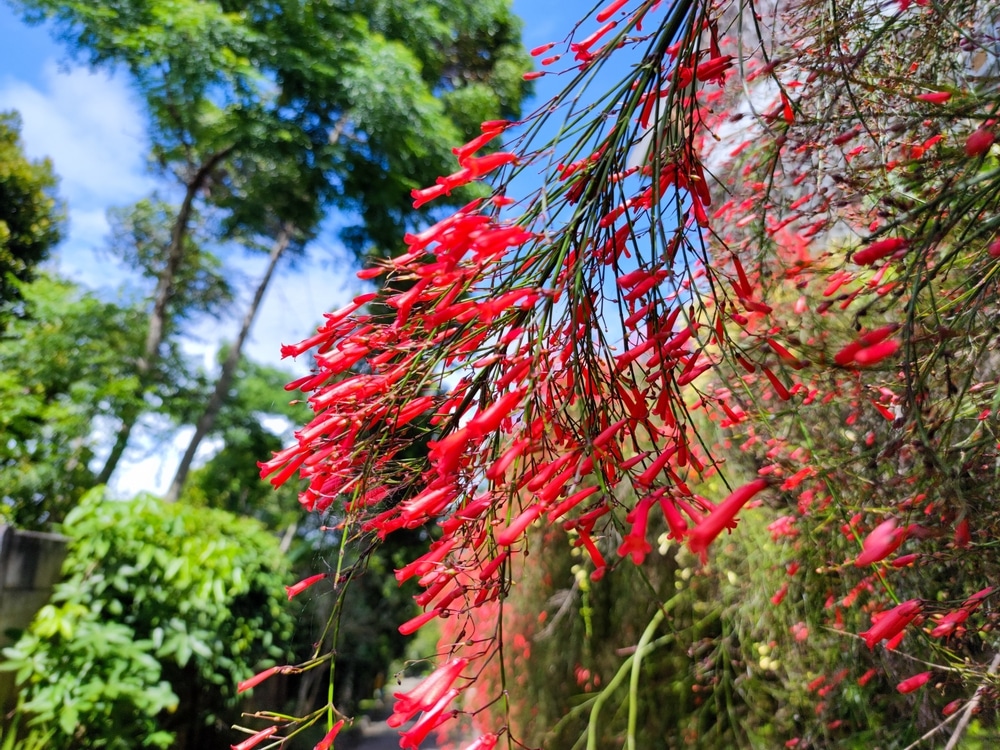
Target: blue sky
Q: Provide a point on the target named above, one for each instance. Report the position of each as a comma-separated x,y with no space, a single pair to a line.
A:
92,128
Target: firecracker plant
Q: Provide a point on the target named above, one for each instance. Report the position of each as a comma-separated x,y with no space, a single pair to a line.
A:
757,275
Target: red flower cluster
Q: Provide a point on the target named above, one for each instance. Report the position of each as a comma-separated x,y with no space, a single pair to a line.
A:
557,368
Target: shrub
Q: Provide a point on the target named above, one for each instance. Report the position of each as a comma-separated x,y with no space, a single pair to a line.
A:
162,611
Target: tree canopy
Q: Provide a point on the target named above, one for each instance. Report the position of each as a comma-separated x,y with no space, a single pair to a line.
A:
30,213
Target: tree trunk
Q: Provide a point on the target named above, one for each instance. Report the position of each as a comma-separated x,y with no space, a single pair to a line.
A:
158,316
215,402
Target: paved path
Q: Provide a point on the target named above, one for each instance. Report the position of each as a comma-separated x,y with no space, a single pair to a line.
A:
374,733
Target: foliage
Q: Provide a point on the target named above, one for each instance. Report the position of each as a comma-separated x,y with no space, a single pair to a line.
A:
616,352
269,114
30,214
208,73
90,681
198,595
139,236
64,371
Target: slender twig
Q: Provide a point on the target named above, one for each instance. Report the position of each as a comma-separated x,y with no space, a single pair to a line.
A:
971,707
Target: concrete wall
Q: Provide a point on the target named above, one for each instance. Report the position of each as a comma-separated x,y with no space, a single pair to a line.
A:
30,565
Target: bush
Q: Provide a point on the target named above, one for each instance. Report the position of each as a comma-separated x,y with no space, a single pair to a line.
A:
162,611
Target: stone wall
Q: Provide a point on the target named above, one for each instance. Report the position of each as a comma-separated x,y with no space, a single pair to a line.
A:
30,565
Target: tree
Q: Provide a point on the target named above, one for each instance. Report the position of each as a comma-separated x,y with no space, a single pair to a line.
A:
30,214
271,113
815,294
65,372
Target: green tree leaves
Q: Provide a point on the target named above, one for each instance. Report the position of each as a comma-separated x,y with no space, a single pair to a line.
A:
30,214
65,369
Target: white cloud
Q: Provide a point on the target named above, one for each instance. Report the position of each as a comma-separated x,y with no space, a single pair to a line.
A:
294,306
90,126
92,129
149,463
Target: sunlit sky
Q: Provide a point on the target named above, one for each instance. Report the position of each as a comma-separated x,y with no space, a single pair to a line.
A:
91,126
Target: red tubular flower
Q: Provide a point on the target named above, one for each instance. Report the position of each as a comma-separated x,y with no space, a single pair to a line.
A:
871,355
935,97
653,470
511,534
779,388
962,535
426,562
634,544
976,599
431,502
571,502
789,358
606,434
893,643
490,418
952,707
256,679
815,684
427,693
904,561
786,109
880,543
714,69
426,195
675,521
866,677
499,467
543,476
705,532
491,567
779,595
582,49
595,555
327,742
296,589
610,10
950,622
846,355
464,152
412,626
255,740
878,250
484,164
913,683
411,410
411,739
979,142
433,590
892,623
